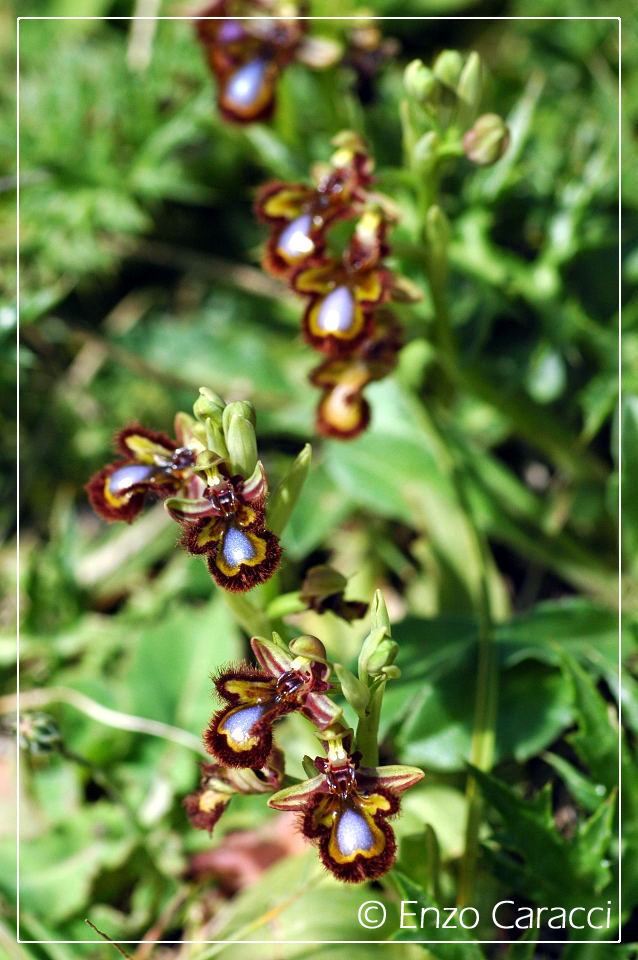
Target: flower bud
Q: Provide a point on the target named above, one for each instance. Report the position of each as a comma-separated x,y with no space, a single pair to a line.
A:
426,151
242,444
418,81
448,67
470,89
308,646
238,408
208,404
382,657
487,140
380,617
355,692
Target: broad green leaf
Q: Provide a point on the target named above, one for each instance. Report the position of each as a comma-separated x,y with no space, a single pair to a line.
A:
172,664
58,867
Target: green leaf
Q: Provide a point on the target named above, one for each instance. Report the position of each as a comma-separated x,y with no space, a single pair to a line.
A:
552,869
429,712
173,661
582,789
58,867
596,742
415,898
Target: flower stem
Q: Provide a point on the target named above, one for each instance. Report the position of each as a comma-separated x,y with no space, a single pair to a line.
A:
249,617
367,739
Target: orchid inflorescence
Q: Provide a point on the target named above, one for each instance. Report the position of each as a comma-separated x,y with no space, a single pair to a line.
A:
344,291
345,804
211,483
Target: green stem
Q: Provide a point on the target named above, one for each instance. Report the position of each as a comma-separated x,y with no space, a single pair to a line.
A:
367,739
248,616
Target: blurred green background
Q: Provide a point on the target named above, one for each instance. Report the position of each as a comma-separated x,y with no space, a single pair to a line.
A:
140,281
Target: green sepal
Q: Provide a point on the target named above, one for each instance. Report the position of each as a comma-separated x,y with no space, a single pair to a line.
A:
297,796
185,508
396,776
215,441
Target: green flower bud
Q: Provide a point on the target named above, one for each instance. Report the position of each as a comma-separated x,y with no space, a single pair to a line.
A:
448,67
355,692
287,493
308,646
487,140
242,445
238,408
208,404
380,618
368,648
385,653
426,152
418,81
470,89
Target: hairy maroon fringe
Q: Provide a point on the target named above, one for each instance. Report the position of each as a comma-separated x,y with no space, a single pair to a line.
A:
361,868
241,671
188,539
248,577
254,758
95,492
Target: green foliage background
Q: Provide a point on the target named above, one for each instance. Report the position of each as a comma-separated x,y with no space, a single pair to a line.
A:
140,282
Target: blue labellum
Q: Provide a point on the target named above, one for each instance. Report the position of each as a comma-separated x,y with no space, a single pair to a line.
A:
128,476
245,85
239,725
294,241
337,311
353,832
237,547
